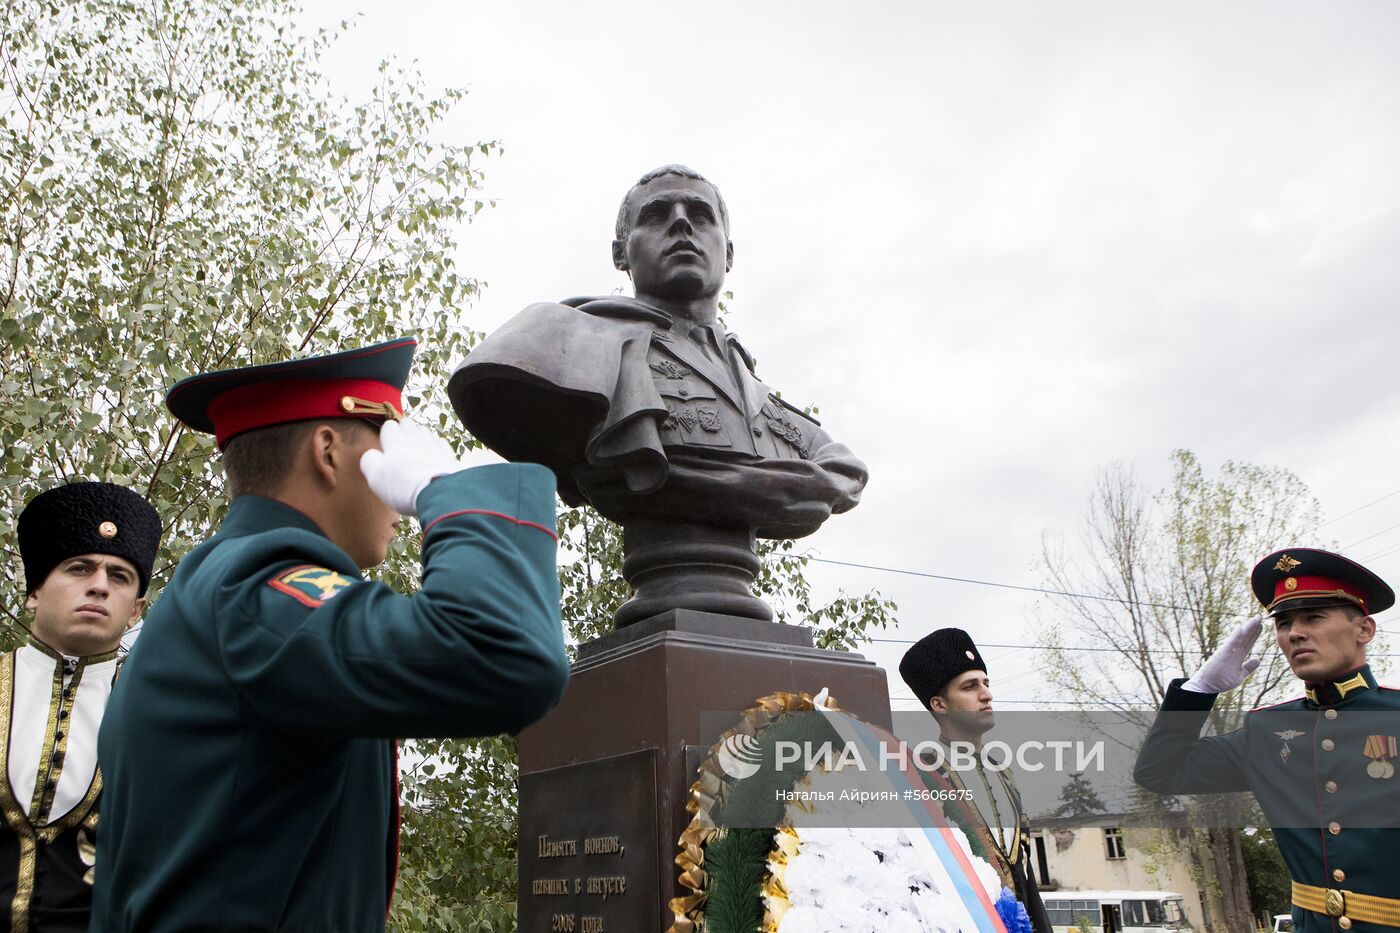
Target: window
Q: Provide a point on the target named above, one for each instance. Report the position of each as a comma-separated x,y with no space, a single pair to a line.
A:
1113,843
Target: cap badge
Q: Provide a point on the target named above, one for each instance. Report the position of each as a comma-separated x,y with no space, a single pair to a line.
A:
1290,584
358,406
970,655
1286,564
107,529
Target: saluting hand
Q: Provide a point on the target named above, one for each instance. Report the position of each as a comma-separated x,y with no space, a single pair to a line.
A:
1231,663
412,457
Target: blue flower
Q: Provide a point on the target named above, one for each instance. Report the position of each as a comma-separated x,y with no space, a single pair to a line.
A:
1012,913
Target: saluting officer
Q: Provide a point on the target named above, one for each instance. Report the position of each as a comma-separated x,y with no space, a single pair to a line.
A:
946,672
87,550
249,747
1320,765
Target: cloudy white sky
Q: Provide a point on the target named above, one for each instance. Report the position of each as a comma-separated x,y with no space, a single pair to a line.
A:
999,244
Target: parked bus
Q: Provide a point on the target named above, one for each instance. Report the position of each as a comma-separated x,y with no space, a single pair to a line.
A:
1116,911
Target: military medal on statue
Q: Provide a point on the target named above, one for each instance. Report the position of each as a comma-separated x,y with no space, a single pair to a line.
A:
1380,749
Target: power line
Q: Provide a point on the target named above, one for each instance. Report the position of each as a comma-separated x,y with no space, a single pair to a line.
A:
1369,537
1388,550
1359,508
1004,586
910,641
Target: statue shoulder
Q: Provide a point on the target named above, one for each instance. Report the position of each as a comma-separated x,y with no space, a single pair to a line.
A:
620,306
787,407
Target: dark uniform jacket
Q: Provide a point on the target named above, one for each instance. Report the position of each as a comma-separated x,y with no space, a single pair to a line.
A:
50,711
1319,767
249,747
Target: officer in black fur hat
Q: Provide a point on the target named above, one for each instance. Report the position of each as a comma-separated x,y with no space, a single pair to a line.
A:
87,550
946,672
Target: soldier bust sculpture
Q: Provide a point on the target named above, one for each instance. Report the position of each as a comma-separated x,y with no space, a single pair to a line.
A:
648,410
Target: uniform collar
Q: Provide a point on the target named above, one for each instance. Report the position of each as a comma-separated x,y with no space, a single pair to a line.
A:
36,651
253,514
1348,685
712,335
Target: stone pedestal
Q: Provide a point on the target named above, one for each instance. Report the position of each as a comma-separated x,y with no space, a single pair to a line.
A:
604,778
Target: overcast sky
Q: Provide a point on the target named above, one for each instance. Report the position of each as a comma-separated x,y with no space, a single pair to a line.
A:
999,244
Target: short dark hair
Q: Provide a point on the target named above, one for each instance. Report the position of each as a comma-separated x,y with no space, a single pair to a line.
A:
257,462
624,213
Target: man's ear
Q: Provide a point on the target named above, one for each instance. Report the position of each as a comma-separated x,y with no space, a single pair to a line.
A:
936,704
620,255
324,449
31,600
1367,630
728,255
136,612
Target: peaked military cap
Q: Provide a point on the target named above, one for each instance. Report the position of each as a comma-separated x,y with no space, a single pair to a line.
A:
936,659
363,383
1307,578
87,518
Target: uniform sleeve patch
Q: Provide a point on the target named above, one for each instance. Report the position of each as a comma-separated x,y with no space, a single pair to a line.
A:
311,586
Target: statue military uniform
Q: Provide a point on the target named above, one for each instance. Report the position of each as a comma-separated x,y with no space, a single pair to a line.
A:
1321,765
250,746
51,707
646,410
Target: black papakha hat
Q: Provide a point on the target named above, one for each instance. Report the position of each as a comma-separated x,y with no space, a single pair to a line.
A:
1307,578
936,659
87,518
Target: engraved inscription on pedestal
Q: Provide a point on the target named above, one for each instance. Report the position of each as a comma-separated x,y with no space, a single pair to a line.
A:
588,847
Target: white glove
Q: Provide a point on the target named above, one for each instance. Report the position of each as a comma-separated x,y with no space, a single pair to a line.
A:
413,457
1231,663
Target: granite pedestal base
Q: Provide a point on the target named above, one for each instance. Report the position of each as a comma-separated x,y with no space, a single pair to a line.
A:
605,777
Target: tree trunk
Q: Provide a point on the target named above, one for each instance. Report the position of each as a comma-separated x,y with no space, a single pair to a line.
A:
1220,858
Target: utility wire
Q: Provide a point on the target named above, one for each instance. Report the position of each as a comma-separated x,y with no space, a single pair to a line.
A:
910,641
1004,586
1359,508
1369,537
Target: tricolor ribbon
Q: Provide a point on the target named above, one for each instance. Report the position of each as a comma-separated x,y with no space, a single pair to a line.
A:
928,828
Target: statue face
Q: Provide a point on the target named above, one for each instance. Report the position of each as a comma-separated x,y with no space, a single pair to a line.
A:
676,247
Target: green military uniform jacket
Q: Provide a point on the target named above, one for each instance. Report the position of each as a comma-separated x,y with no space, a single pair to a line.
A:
248,748
1319,767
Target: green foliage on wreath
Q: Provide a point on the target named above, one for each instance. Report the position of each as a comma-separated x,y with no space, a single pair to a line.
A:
736,861
756,801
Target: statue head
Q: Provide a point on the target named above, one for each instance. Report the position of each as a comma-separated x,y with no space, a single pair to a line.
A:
672,235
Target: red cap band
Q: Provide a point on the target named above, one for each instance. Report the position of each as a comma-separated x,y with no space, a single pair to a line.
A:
1300,587
282,401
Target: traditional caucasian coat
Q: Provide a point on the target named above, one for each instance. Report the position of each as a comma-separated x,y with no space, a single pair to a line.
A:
50,709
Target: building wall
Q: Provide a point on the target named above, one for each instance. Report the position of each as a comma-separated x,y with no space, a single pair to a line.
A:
1077,858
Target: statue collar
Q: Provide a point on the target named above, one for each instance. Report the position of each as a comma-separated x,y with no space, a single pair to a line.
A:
1329,692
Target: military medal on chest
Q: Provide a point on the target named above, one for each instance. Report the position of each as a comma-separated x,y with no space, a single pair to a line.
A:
1380,749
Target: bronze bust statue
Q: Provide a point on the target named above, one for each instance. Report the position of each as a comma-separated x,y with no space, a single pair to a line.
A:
648,410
